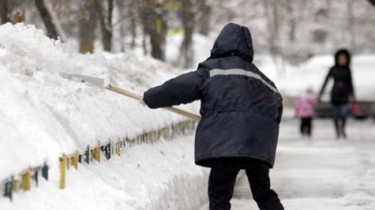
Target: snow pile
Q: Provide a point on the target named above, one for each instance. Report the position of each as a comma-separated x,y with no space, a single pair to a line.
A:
45,115
29,133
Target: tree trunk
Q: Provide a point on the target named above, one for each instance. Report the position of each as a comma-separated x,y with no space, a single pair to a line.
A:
292,21
186,57
351,24
4,11
133,21
372,2
105,24
155,27
109,27
87,28
47,19
272,15
204,15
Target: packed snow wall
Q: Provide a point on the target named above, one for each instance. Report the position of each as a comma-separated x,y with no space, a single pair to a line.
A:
49,123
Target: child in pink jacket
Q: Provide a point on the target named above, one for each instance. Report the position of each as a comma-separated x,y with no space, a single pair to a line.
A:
305,111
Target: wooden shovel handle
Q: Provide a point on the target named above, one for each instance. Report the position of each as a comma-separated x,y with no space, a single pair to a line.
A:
139,97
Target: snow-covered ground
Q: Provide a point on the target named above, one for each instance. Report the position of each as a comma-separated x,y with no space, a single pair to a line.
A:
44,116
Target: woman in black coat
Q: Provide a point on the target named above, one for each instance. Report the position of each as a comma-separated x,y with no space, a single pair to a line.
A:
241,110
342,91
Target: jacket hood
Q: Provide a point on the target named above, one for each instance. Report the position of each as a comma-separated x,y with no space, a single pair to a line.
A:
234,40
346,53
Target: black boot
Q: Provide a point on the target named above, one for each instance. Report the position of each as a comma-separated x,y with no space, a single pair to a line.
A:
337,128
343,133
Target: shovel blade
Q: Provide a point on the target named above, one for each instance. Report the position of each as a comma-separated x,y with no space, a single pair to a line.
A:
89,80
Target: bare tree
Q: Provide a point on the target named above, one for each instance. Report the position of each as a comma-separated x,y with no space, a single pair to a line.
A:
4,11
292,21
47,19
105,20
186,57
155,27
128,21
203,17
273,20
351,25
88,22
134,7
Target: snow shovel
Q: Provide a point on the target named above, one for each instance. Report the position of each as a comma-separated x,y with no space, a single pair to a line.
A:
98,82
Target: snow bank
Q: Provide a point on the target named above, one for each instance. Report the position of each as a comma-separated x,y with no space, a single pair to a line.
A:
29,133
44,115
73,114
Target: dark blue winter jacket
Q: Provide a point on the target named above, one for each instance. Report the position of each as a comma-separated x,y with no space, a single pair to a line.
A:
241,108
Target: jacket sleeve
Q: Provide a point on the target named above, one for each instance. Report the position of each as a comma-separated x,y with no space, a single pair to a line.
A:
325,83
183,89
351,87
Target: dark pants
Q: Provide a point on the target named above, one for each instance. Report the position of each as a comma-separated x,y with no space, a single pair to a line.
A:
340,112
306,126
222,180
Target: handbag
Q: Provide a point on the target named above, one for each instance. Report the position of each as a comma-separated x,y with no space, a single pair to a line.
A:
355,109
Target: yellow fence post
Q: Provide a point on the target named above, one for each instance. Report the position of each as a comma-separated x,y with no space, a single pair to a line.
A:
15,185
118,148
62,171
67,159
96,153
26,181
75,160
